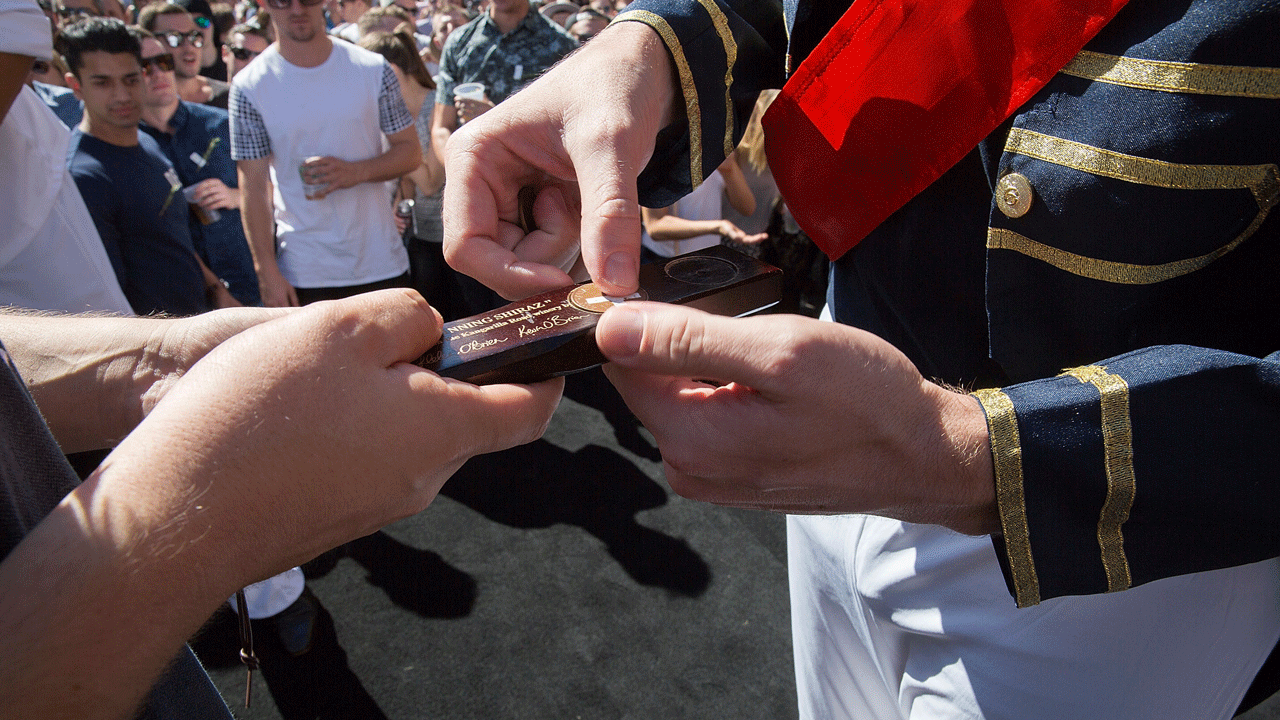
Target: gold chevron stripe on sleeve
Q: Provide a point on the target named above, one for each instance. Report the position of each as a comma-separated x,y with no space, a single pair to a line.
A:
731,58
1117,443
1176,77
1006,455
692,107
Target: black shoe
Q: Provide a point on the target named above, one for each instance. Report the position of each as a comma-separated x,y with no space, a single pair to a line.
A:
296,624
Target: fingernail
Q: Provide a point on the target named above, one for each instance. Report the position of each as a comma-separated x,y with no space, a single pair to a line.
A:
620,271
624,332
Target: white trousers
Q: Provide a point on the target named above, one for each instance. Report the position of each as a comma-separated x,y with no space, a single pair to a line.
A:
894,620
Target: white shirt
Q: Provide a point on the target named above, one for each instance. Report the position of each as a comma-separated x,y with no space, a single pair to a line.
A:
704,203
51,257
349,237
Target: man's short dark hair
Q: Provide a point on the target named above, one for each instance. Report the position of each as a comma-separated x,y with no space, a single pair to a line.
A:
147,18
97,34
250,28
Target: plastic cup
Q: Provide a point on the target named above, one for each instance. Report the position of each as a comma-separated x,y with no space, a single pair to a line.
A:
469,91
206,217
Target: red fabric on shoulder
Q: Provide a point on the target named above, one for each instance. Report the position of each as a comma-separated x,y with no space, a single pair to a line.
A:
900,90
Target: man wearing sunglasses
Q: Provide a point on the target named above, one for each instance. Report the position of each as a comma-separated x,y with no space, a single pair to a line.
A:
177,30
317,111
211,65
197,140
245,42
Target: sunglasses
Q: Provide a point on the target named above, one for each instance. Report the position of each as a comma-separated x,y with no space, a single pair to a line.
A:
175,39
163,63
65,12
242,54
284,4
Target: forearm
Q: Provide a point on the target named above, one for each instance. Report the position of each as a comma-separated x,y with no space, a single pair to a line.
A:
88,376
757,62
1143,466
99,598
399,160
443,124
259,224
672,227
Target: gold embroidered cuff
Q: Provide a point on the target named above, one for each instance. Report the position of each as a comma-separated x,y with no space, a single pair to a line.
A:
692,107
1117,443
1006,456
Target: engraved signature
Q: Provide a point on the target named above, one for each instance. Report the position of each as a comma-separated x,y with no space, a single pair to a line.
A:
475,345
552,322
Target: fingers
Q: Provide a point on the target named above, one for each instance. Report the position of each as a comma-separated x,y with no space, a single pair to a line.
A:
681,342
497,417
480,244
610,217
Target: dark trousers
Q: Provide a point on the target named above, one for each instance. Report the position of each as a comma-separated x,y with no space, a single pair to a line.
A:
306,296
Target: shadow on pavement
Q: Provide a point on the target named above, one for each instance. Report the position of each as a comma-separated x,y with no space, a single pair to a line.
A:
539,485
318,685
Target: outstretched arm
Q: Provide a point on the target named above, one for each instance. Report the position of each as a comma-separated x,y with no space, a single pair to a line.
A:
103,592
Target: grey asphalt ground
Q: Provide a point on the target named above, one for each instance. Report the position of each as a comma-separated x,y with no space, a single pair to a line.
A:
562,580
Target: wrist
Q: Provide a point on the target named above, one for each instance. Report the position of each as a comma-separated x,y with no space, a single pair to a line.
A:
970,475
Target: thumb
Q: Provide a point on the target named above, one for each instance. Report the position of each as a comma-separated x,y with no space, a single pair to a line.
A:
683,342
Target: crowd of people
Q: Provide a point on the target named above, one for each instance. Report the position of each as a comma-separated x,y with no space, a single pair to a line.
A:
1021,541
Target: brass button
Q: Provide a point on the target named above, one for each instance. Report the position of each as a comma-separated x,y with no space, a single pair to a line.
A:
1013,195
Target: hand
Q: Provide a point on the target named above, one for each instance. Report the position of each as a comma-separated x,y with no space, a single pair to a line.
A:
805,417
314,429
275,290
213,194
333,173
469,110
729,231
220,297
580,134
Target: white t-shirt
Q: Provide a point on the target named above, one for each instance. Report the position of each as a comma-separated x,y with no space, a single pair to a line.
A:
51,257
340,108
704,203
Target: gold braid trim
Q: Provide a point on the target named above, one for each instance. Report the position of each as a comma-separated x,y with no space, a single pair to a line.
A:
1176,77
691,105
731,58
1117,444
1006,456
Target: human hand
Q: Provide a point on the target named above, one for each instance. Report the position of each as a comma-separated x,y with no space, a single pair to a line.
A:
275,290
332,173
469,109
730,231
220,297
320,412
805,417
213,194
580,135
